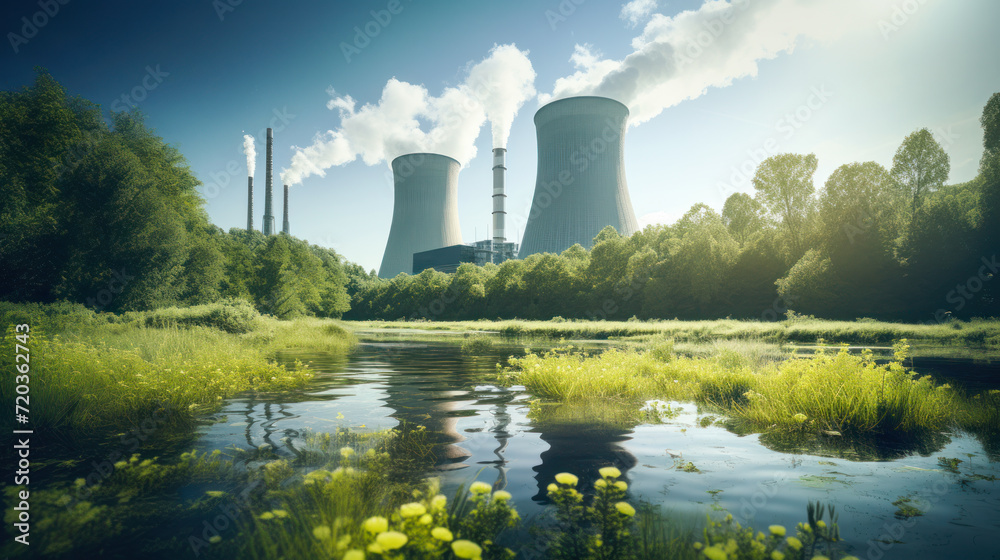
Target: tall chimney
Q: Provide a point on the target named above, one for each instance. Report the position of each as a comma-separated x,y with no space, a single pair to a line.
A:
499,196
249,203
284,223
268,226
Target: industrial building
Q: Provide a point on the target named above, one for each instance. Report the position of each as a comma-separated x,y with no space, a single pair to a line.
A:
268,226
448,259
424,212
580,186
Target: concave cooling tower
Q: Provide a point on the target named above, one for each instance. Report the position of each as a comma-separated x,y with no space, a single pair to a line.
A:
424,210
580,187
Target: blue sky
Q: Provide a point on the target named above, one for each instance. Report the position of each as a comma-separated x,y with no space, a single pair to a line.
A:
862,87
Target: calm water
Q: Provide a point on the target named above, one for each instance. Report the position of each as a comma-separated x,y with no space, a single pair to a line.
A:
483,432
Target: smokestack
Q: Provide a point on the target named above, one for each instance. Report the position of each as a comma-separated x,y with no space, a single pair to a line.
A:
499,196
577,195
424,211
268,226
284,222
249,203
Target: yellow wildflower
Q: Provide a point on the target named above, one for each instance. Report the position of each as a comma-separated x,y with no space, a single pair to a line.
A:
391,540
793,542
354,555
567,479
412,510
480,488
625,508
466,549
610,472
322,532
777,530
441,534
501,495
376,524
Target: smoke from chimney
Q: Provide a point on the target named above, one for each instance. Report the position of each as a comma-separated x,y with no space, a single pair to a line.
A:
494,90
284,222
268,226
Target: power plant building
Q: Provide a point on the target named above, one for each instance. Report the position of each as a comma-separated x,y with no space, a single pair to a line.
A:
425,210
580,186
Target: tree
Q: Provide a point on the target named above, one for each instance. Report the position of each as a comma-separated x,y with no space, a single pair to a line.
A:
784,185
743,216
920,166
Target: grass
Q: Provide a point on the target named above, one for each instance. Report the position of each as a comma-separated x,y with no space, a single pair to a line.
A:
836,393
106,373
976,333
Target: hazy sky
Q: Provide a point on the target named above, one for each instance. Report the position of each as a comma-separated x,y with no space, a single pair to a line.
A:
844,79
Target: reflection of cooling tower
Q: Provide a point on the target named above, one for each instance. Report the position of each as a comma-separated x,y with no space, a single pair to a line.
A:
580,187
424,211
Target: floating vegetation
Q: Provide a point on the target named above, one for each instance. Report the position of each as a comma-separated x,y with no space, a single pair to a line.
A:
905,508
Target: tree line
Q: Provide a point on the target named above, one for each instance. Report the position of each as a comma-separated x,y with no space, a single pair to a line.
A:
897,244
102,211
105,213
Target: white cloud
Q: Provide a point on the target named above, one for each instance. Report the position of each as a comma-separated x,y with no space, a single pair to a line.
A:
678,58
636,11
494,90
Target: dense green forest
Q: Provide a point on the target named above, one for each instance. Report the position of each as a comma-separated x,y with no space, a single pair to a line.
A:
105,213
99,210
897,244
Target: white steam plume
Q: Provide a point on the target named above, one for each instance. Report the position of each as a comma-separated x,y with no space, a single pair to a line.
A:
251,152
494,90
680,57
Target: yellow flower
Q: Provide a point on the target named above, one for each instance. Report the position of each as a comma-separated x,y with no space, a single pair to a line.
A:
715,553
610,472
354,555
551,487
480,488
280,513
215,493
215,539
794,543
821,524
391,540
439,501
346,452
777,530
600,483
412,510
777,555
501,495
621,485
322,532
425,519
466,549
800,418
376,524
820,558
567,479
267,515
441,534
625,509
374,548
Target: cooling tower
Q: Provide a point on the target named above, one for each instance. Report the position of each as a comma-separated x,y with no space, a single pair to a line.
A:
268,226
424,210
499,196
249,203
580,186
284,222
